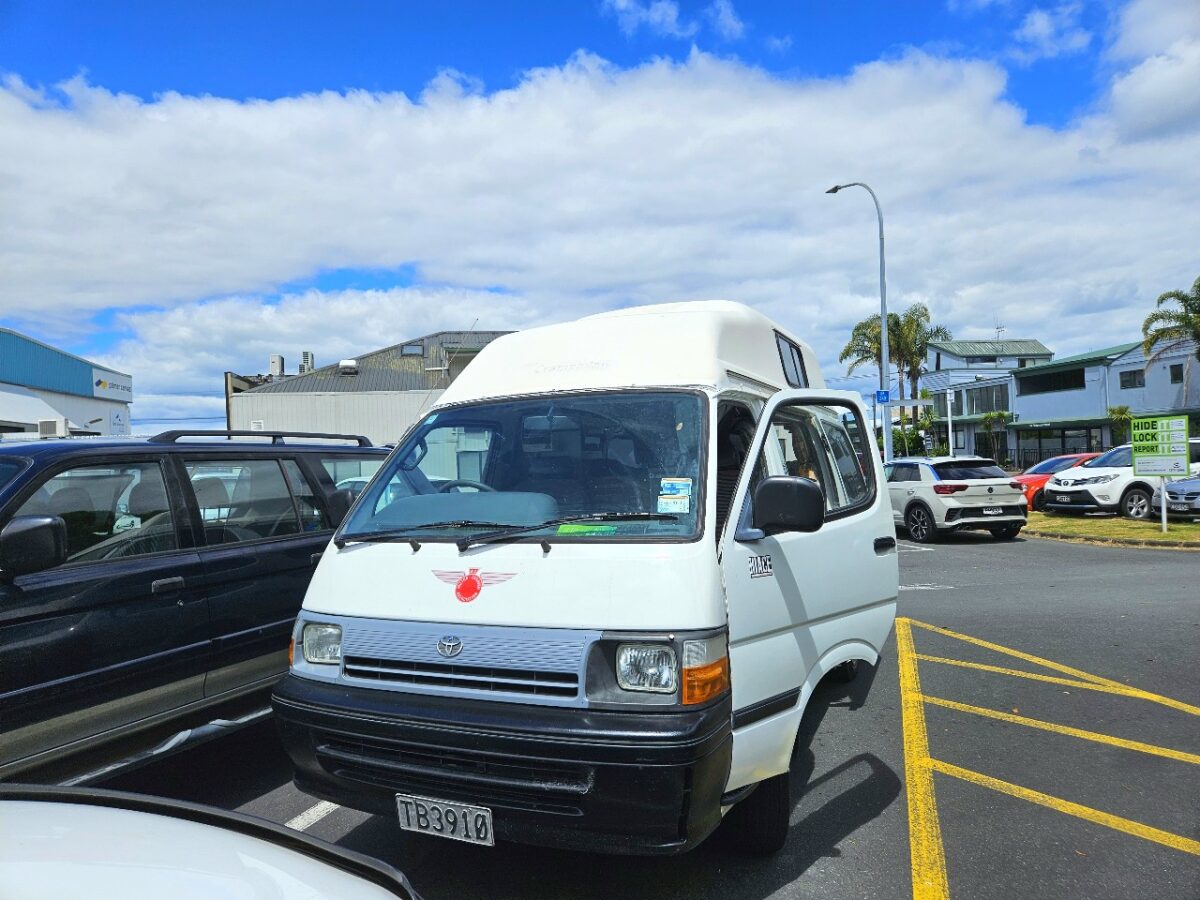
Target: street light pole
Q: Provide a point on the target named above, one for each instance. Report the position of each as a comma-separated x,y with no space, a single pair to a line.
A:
884,375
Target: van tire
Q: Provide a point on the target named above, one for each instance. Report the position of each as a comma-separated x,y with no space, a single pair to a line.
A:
921,526
759,824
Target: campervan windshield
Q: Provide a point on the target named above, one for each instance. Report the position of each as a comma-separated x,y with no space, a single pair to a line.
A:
476,468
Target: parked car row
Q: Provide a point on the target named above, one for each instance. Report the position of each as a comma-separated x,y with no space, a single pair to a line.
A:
1108,484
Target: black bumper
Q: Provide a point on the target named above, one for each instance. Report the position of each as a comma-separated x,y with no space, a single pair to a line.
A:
1081,501
626,782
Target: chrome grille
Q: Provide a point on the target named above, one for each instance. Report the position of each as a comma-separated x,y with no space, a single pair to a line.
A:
472,678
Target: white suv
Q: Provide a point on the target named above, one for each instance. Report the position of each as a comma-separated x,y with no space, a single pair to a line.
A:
939,494
1107,484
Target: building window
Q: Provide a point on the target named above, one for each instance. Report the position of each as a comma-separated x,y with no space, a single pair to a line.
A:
1022,363
412,350
960,440
992,398
937,365
1176,373
1133,378
1068,380
980,359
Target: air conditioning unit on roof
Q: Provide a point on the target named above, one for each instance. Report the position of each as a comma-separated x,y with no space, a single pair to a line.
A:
54,428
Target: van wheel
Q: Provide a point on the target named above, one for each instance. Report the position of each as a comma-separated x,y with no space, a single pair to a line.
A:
1135,504
1006,532
919,522
759,824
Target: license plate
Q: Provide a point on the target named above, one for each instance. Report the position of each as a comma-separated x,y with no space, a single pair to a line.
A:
993,510
442,818
1063,498
1179,507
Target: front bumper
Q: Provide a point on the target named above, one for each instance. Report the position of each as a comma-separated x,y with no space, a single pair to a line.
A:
628,782
1077,501
1192,511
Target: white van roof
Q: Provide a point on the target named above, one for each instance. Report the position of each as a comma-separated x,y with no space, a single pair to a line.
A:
709,343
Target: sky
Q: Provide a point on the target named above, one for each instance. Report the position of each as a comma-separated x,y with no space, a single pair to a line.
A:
188,188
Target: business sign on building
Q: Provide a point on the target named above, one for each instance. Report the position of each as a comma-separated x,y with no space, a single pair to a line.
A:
1160,446
108,385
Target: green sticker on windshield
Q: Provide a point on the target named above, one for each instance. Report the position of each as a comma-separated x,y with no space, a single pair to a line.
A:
587,529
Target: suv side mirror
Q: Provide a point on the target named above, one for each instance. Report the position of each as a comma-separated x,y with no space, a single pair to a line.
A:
339,504
788,503
31,544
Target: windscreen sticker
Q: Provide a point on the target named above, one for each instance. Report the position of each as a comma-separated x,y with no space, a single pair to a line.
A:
587,529
677,503
676,487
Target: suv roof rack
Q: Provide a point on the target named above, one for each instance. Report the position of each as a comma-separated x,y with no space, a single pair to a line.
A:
171,437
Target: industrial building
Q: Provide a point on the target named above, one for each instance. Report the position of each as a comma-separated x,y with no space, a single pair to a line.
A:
377,394
47,391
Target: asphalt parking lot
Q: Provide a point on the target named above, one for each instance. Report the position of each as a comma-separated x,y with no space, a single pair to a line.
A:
1032,731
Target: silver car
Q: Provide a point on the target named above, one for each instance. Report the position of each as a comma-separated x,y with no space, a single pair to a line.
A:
1183,498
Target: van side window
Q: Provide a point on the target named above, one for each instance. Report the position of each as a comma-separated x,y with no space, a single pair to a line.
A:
115,510
793,362
734,436
242,500
828,445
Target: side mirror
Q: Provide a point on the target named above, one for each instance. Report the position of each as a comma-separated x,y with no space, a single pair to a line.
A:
788,503
339,504
31,544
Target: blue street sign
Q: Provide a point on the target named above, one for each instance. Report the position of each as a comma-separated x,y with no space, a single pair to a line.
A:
882,397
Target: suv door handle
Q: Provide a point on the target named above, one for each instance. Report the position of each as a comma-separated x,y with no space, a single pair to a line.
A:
314,559
167,585
884,544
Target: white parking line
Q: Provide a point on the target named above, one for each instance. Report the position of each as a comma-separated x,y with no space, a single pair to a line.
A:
927,587
312,816
913,548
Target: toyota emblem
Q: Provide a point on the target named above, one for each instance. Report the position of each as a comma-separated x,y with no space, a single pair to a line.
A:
450,645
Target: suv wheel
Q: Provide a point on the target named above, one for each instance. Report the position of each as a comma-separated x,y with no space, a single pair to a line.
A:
1005,532
919,522
1136,503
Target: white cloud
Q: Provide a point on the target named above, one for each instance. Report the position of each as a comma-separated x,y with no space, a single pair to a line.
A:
1161,95
584,187
1148,27
779,44
659,17
725,21
1049,33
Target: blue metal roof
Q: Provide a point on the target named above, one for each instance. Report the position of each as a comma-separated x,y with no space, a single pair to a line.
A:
30,363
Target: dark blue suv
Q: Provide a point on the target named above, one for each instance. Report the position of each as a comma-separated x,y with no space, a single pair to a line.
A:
145,581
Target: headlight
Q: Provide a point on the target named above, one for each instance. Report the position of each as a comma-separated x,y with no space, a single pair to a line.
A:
1101,479
323,644
647,667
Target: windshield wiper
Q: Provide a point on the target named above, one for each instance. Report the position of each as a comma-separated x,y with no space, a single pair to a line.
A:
490,537
404,534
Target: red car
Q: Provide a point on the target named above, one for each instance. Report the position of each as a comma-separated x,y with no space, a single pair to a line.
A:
1034,478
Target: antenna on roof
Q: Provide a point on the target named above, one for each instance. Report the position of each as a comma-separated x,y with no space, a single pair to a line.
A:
1000,329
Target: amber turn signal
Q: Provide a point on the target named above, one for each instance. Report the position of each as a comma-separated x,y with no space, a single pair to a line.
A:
291,652
703,683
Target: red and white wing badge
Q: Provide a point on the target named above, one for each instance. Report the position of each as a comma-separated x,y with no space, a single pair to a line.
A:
467,585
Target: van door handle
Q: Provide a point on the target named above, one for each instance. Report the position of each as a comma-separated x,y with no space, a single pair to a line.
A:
166,585
884,544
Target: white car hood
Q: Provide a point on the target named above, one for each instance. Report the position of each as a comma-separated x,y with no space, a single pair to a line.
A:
647,586
1091,472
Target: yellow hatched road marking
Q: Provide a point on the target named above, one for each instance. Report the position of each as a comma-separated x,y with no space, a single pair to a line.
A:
1128,826
928,857
1119,689
1152,749
1028,657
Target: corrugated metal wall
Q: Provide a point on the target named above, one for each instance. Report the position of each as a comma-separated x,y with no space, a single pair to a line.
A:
29,363
383,416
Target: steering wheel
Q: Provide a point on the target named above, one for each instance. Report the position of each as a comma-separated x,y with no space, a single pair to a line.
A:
465,482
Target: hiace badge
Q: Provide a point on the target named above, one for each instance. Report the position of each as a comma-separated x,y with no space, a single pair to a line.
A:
760,567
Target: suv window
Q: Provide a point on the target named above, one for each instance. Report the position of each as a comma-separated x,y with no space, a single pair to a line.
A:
8,470
111,510
312,517
968,470
242,499
351,472
904,472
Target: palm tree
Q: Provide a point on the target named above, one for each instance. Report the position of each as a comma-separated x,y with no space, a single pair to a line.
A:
863,346
1170,329
914,332
988,423
1120,417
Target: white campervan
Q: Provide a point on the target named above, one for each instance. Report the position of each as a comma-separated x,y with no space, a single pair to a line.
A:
585,601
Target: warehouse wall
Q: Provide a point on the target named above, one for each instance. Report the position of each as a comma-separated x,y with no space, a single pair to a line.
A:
383,416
